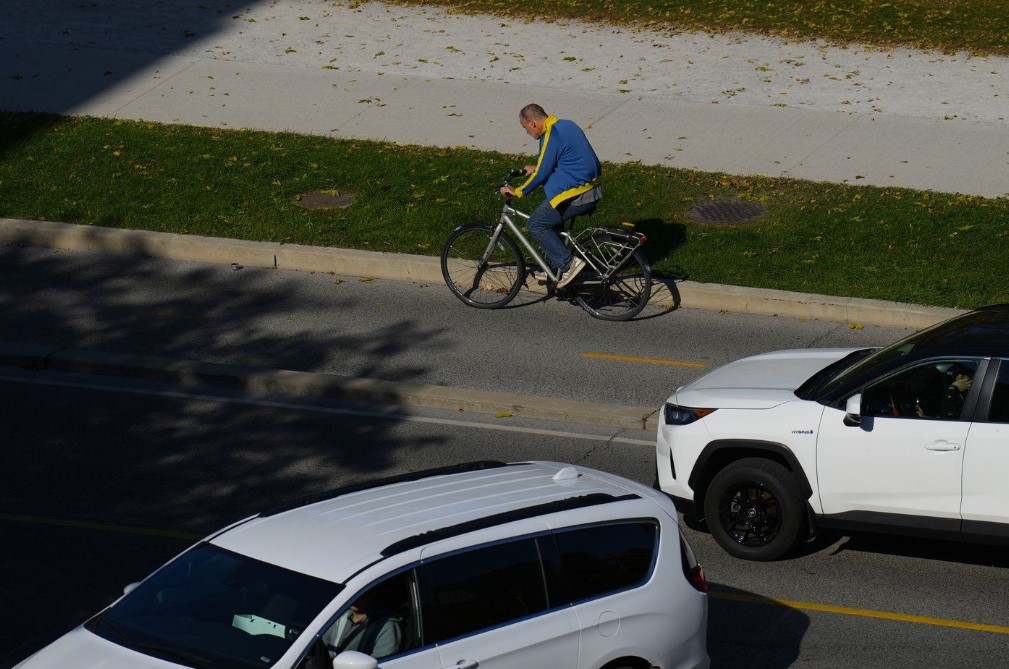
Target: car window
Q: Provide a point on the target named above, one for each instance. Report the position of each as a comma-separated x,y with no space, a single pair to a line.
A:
998,411
936,389
481,588
212,607
381,621
598,560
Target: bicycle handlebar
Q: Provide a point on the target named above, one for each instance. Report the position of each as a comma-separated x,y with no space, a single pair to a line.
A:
518,172
511,175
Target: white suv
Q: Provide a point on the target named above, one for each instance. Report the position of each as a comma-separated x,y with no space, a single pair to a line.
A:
485,564
910,438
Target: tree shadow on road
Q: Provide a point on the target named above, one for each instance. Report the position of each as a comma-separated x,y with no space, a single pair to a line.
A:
185,466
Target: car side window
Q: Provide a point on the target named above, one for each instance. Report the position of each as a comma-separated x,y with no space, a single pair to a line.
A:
998,411
381,621
935,389
598,560
481,588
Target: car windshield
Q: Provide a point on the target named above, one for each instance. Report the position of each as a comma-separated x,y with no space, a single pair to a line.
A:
211,608
856,372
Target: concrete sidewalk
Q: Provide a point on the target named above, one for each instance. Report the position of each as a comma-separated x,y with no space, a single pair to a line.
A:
924,154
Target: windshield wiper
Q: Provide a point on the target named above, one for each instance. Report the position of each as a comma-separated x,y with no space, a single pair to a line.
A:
170,653
116,628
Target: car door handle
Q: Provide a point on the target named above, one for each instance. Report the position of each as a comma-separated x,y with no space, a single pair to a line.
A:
464,664
942,445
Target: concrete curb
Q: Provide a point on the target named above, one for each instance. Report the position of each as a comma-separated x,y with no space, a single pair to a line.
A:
185,372
426,269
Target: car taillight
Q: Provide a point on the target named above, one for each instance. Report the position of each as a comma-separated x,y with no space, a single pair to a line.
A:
696,578
691,567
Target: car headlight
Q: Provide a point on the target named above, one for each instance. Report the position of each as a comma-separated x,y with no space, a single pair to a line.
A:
677,415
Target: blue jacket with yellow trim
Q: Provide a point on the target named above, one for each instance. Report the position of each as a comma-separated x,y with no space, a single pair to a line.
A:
567,166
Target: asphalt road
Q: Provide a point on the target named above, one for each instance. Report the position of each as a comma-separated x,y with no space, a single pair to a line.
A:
104,479
273,319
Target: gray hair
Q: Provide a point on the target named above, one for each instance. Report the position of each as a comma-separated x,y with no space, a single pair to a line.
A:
532,112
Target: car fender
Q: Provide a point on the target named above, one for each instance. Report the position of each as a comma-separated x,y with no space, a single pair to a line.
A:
719,453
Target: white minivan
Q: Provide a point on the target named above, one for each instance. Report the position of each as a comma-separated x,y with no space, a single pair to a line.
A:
484,564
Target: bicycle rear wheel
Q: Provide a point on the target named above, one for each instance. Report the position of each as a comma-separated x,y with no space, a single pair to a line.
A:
622,296
481,274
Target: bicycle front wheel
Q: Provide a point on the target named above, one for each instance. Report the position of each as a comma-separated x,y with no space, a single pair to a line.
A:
482,272
622,296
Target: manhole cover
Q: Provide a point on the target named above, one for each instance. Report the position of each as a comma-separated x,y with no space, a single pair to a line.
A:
323,200
725,212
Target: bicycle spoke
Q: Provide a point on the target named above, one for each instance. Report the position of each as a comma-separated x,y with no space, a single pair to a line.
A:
624,293
480,273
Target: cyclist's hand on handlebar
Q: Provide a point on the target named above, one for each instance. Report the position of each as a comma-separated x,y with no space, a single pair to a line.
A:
507,191
507,180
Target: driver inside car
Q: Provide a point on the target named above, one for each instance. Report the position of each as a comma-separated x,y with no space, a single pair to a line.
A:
368,627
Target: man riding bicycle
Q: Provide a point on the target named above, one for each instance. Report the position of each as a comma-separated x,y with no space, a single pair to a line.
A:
569,171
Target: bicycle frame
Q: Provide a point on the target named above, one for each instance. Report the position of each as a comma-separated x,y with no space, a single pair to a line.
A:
506,221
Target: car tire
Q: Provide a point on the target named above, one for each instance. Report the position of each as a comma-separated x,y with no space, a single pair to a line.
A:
754,509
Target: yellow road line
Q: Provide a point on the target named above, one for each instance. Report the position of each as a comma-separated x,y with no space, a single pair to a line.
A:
650,361
865,613
84,525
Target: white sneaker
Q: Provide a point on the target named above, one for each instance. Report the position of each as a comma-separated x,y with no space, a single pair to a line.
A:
576,266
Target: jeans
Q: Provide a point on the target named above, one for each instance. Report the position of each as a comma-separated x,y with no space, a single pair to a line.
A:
544,224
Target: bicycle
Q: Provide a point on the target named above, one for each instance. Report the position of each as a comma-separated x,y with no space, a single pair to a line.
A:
483,266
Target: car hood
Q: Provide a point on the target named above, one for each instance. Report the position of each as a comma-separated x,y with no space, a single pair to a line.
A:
758,382
81,649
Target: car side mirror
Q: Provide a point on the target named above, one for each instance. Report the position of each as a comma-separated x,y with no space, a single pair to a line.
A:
130,588
351,659
853,410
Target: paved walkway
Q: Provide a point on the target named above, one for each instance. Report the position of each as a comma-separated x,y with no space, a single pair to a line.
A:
412,75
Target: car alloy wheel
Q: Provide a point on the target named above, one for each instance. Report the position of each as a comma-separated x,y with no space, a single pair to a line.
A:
750,513
754,509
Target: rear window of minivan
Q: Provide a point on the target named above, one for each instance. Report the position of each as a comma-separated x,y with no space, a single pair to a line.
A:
602,559
490,586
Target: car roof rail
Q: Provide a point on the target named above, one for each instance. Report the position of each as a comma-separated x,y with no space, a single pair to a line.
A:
462,468
431,536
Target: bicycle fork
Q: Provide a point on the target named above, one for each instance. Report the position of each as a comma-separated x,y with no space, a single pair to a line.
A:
490,247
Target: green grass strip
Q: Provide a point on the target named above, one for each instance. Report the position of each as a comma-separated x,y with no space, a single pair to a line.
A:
975,26
847,240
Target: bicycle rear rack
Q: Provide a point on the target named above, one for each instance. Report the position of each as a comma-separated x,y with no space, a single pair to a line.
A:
612,246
